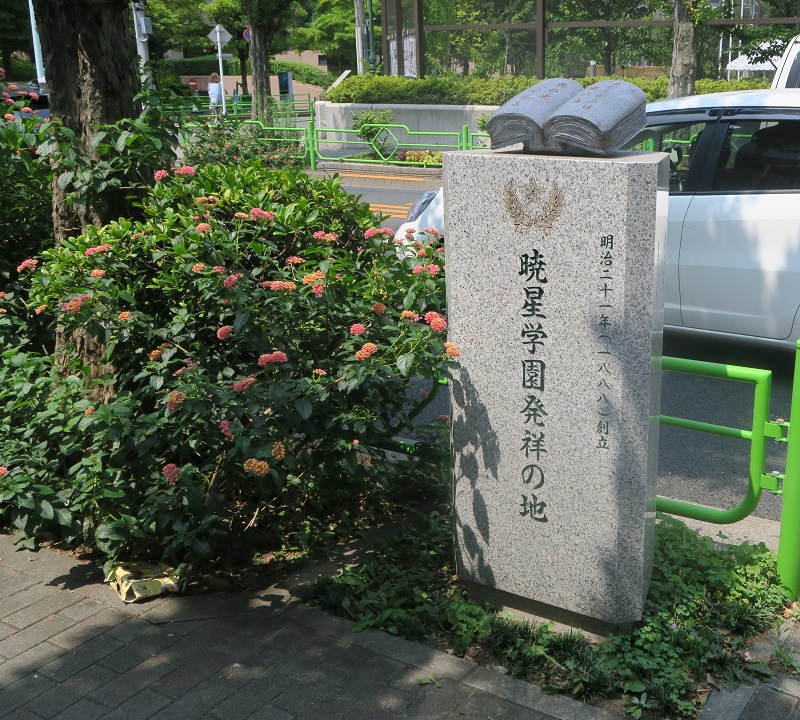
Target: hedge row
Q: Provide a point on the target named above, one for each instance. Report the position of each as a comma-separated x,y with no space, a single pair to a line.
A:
207,64
382,89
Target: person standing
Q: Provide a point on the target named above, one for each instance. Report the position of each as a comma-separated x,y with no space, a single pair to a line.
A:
215,93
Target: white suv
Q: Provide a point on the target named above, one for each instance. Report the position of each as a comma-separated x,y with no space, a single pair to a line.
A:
733,243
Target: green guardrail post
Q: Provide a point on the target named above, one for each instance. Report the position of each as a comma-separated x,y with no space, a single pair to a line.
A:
464,138
311,143
789,540
762,379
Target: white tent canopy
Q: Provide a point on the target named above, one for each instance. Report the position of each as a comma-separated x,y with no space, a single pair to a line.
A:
744,62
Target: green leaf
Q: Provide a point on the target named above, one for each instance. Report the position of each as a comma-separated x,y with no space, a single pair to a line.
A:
303,408
240,320
156,382
65,179
405,362
411,298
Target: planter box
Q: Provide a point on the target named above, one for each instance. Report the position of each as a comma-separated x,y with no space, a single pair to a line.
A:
418,118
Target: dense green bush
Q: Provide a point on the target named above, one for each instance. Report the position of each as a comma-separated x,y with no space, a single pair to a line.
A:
374,89
259,335
304,73
20,71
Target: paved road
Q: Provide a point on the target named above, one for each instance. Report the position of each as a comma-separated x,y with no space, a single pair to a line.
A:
706,468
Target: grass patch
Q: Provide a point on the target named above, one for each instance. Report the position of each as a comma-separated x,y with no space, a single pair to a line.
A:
706,600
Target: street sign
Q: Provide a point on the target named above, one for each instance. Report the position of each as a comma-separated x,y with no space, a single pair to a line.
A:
246,35
224,35
193,83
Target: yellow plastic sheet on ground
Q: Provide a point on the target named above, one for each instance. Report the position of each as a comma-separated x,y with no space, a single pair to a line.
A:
136,581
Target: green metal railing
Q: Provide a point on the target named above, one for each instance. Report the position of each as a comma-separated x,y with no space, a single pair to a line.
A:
762,428
240,107
386,144
762,379
298,137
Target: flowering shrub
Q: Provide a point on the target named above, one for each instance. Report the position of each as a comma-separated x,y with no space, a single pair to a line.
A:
24,183
240,407
428,158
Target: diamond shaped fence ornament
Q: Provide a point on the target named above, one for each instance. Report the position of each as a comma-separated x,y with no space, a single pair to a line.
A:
382,143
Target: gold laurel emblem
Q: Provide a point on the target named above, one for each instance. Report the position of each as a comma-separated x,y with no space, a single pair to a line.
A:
543,220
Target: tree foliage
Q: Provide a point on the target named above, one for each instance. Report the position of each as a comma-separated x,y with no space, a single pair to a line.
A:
331,29
178,24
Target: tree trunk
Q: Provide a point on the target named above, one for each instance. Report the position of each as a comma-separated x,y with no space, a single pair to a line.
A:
243,54
90,60
684,67
91,65
260,46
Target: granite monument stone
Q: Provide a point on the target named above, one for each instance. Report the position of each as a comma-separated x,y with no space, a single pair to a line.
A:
554,300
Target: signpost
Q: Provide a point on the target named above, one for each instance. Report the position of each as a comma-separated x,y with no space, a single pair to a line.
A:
220,36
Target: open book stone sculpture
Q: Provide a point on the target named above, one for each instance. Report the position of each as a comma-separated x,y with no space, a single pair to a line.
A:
560,116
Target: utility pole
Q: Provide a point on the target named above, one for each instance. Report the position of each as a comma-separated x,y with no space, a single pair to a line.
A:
37,46
360,32
143,28
371,36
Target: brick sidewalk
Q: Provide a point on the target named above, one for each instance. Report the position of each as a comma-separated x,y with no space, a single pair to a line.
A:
70,649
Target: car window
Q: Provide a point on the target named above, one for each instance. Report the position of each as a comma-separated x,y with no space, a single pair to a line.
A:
761,156
680,140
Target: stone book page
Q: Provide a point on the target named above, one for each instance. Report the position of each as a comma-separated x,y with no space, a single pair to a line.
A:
520,119
600,119
559,115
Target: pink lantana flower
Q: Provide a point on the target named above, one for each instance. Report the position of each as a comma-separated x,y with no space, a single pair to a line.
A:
243,384
224,332
259,214
273,358
29,264
357,329
171,472
203,227
160,175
